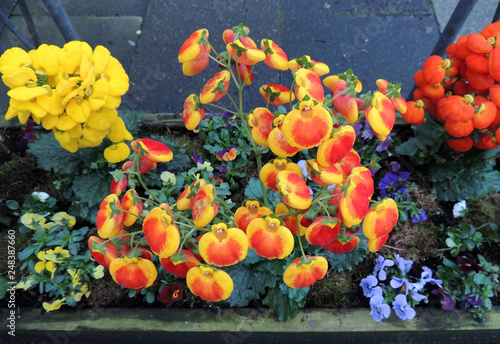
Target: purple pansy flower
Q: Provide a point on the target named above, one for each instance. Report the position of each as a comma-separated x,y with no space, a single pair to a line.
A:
395,166
397,283
369,285
379,309
357,128
474,299
367,133
447,301
391,179
426,277
402,308
383,145
420,217
380,264
225,115
196,158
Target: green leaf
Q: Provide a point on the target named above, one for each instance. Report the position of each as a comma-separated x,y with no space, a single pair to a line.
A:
247,286
51,156
12,205
254,190
281,305
295,294
150,297
3,286
28,251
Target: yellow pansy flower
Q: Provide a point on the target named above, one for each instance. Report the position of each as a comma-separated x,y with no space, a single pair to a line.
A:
32,220
62,218
55,305
43,264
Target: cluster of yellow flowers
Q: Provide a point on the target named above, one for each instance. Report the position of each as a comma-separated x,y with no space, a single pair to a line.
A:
72,90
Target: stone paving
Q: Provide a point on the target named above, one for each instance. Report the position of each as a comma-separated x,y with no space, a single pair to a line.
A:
378,39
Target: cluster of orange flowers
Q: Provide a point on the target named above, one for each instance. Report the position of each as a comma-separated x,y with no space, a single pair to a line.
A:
309,124
462,91
73,91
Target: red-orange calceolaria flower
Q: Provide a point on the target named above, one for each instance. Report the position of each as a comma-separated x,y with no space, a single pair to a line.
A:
270,171
278,142
323,175
110,251
261,120
354,198
151,152
336,148
133,273
276,94
133,206
209,283
293,190
223,246
305,272
461,145
194,53
397,101
414,113
275,56
204,207
215,88
307,126
178,267
109,219
187,197
323,230
381,115
379,222
308,84
252,210
245,73
341,246
160,232
193,112
269,238
245,51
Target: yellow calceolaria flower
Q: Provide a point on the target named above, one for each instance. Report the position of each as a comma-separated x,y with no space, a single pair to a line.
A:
32,220
64,88
63,218
55,305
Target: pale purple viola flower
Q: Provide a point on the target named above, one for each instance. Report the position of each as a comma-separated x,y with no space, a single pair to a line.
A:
225,115
426,277
379,309
367,133
447,301
397,283
403,264
357,128
383,145
380,264
402,308
417,297
369,285
395,166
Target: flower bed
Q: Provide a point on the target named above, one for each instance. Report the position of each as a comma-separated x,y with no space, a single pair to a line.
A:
319,203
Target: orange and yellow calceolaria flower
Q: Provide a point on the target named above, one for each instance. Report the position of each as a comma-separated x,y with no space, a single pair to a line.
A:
161,233
209,283
290,220
133,273
275,56
276,94
343,103
204,207
379,222
307,126
269,238
223,246
293,190
194,53
347,163
215,88
278,142
308,84
270,171
193,112
305,272
133,206
244,51
318,68
109,220
399,102
152,151
178,267
110,252
340,246
335,148
186,199
381,115
323,230
354,199
323,175
261,120
252,210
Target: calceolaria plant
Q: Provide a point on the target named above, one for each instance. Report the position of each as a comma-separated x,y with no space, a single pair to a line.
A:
56,259
199,237
73,91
